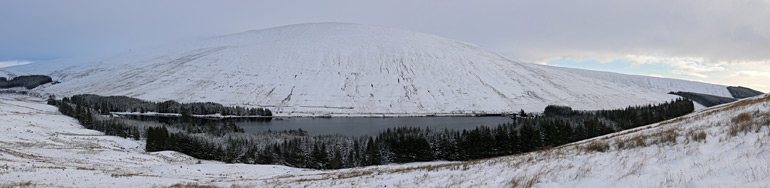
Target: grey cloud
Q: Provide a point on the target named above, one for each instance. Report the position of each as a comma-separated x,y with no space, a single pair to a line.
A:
530,30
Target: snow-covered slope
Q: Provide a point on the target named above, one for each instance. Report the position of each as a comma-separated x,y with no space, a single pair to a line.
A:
349,69
42,147
10,74
662,85
723,146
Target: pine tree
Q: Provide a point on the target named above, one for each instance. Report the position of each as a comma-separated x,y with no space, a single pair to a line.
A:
52,100
372,153
336,162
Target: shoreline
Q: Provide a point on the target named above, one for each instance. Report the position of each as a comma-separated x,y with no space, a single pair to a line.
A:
312,115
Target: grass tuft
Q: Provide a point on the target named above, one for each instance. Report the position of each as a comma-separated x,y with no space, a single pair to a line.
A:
697,136
526,181
596,146
191,185
18,184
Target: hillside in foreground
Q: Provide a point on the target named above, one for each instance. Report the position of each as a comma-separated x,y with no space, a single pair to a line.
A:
722,146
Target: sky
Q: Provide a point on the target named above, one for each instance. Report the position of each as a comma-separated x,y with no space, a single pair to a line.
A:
718,41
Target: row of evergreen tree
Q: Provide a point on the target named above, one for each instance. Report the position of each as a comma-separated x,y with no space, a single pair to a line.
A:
399,145
107,104
26,81
110,126
136,129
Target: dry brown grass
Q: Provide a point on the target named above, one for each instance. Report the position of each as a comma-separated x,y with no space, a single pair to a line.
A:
748,122
697,136
119,175
740,118
191,185
632,142
740,124
666,137
17,184
646,139
596,146
85,168
526,181
360,173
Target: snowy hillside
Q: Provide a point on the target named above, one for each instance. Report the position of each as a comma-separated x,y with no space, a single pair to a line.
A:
723,146
343,69
10,74
662,85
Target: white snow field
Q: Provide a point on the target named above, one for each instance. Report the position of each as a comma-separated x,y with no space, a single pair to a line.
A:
346,69
722,146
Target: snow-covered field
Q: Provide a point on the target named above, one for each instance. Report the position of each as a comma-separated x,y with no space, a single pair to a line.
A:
723,146
351,70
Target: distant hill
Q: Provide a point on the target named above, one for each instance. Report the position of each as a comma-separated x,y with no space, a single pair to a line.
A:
742,92
705,99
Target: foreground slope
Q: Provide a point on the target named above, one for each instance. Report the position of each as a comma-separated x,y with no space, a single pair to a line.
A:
334,68
722,146
40,146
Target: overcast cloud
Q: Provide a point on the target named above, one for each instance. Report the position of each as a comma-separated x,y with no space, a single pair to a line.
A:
711,40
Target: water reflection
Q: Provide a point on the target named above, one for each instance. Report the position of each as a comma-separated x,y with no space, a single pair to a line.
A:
351,126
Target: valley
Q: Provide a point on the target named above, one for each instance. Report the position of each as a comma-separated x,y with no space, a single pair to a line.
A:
349,105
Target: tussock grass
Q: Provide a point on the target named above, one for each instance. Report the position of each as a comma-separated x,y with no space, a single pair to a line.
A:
697,136
85,168
18,184
191,185
596,146
632,142
748,122
120,175
666,137
526,181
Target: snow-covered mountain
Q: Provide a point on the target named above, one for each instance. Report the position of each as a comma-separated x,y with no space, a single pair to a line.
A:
334,68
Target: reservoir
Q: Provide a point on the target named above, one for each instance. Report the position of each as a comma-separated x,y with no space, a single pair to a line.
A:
348,126
358,126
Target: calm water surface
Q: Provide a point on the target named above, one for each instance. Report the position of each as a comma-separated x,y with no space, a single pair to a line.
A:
356,126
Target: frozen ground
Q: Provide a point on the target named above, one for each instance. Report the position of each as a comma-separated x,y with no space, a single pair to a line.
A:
722,146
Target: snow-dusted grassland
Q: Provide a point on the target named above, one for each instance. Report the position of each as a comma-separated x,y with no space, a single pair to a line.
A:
40,146
723,146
